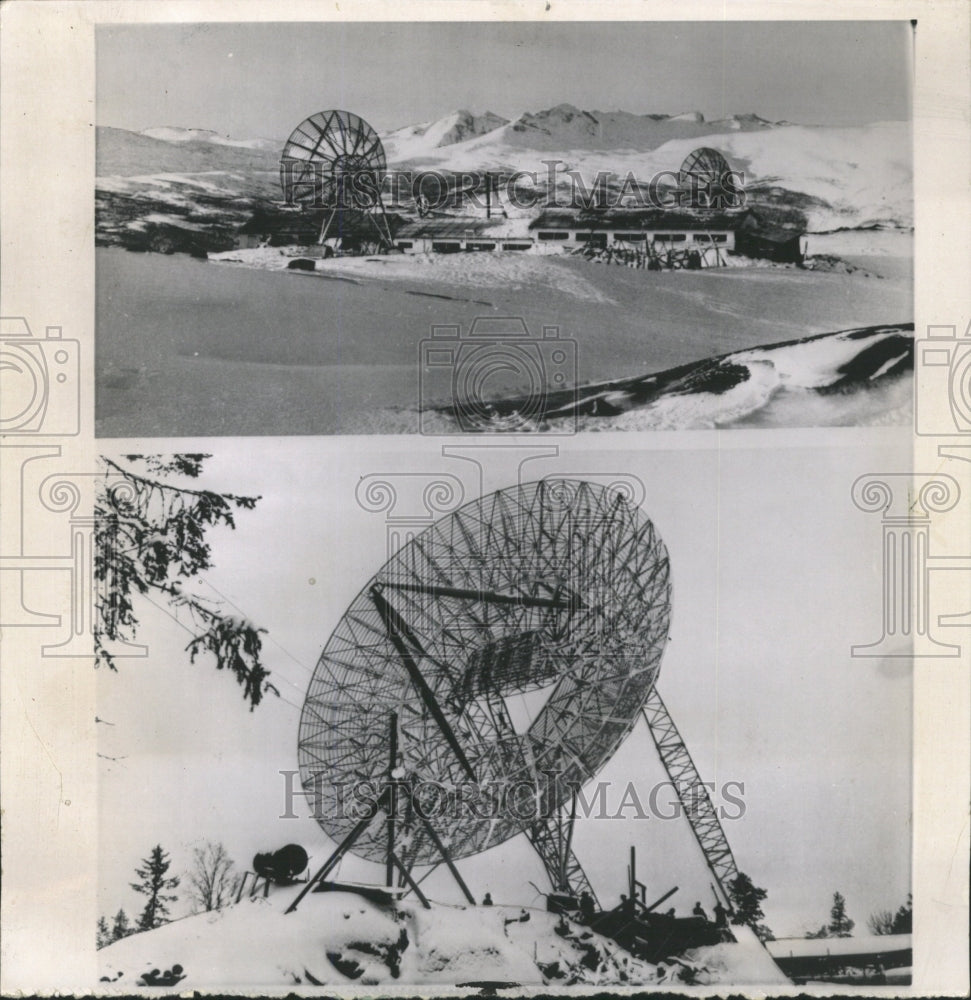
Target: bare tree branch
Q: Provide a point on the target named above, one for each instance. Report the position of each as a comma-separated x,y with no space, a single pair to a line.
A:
211,880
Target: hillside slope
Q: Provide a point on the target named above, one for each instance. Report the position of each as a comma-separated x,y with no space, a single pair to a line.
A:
339,938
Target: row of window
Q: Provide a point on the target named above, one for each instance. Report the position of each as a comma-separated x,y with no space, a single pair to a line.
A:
635,237
452,246
455,246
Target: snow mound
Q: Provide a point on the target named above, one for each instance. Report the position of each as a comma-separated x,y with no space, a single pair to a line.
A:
747,961
874,944
340,938
850,376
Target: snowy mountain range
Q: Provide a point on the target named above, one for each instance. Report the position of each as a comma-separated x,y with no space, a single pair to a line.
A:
848,177
455,127
562,127
169,134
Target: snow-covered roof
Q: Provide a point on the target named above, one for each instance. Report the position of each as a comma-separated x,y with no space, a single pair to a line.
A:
449,228
641,218
870,945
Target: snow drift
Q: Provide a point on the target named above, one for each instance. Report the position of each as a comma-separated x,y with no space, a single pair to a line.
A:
756,387
339,938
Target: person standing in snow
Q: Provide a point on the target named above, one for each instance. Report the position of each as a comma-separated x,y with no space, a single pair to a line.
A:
487,899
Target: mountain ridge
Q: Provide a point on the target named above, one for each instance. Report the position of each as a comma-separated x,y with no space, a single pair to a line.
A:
816,167
461,125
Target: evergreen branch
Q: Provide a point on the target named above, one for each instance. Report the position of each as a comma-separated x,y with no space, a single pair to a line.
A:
248,502
147,541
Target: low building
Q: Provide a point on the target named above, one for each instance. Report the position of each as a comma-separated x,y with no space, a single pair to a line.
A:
635,228
657,237
453,234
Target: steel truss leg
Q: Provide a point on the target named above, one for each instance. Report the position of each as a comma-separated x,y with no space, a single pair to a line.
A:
561,863
692,794
387,803
342,848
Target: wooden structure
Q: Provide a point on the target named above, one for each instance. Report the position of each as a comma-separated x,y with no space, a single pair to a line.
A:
334,163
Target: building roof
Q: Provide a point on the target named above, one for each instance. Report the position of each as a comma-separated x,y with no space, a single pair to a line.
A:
304,225
637,219
449,228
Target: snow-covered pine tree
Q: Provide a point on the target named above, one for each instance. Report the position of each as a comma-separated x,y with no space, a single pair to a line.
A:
840,924
747,901
120,927
154,884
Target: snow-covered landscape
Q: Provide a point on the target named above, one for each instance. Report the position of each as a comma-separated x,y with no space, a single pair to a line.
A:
363,318
340,939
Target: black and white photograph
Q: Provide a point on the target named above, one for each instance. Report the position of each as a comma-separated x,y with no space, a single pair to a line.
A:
484,498
456,227
601,726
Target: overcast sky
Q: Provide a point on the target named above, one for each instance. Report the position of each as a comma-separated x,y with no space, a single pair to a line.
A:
261,80
776,574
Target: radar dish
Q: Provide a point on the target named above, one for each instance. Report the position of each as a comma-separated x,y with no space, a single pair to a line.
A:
517,637
706,165
332,158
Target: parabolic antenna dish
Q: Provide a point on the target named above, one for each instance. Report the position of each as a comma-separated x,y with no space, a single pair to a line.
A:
517,637
332,158
707,166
